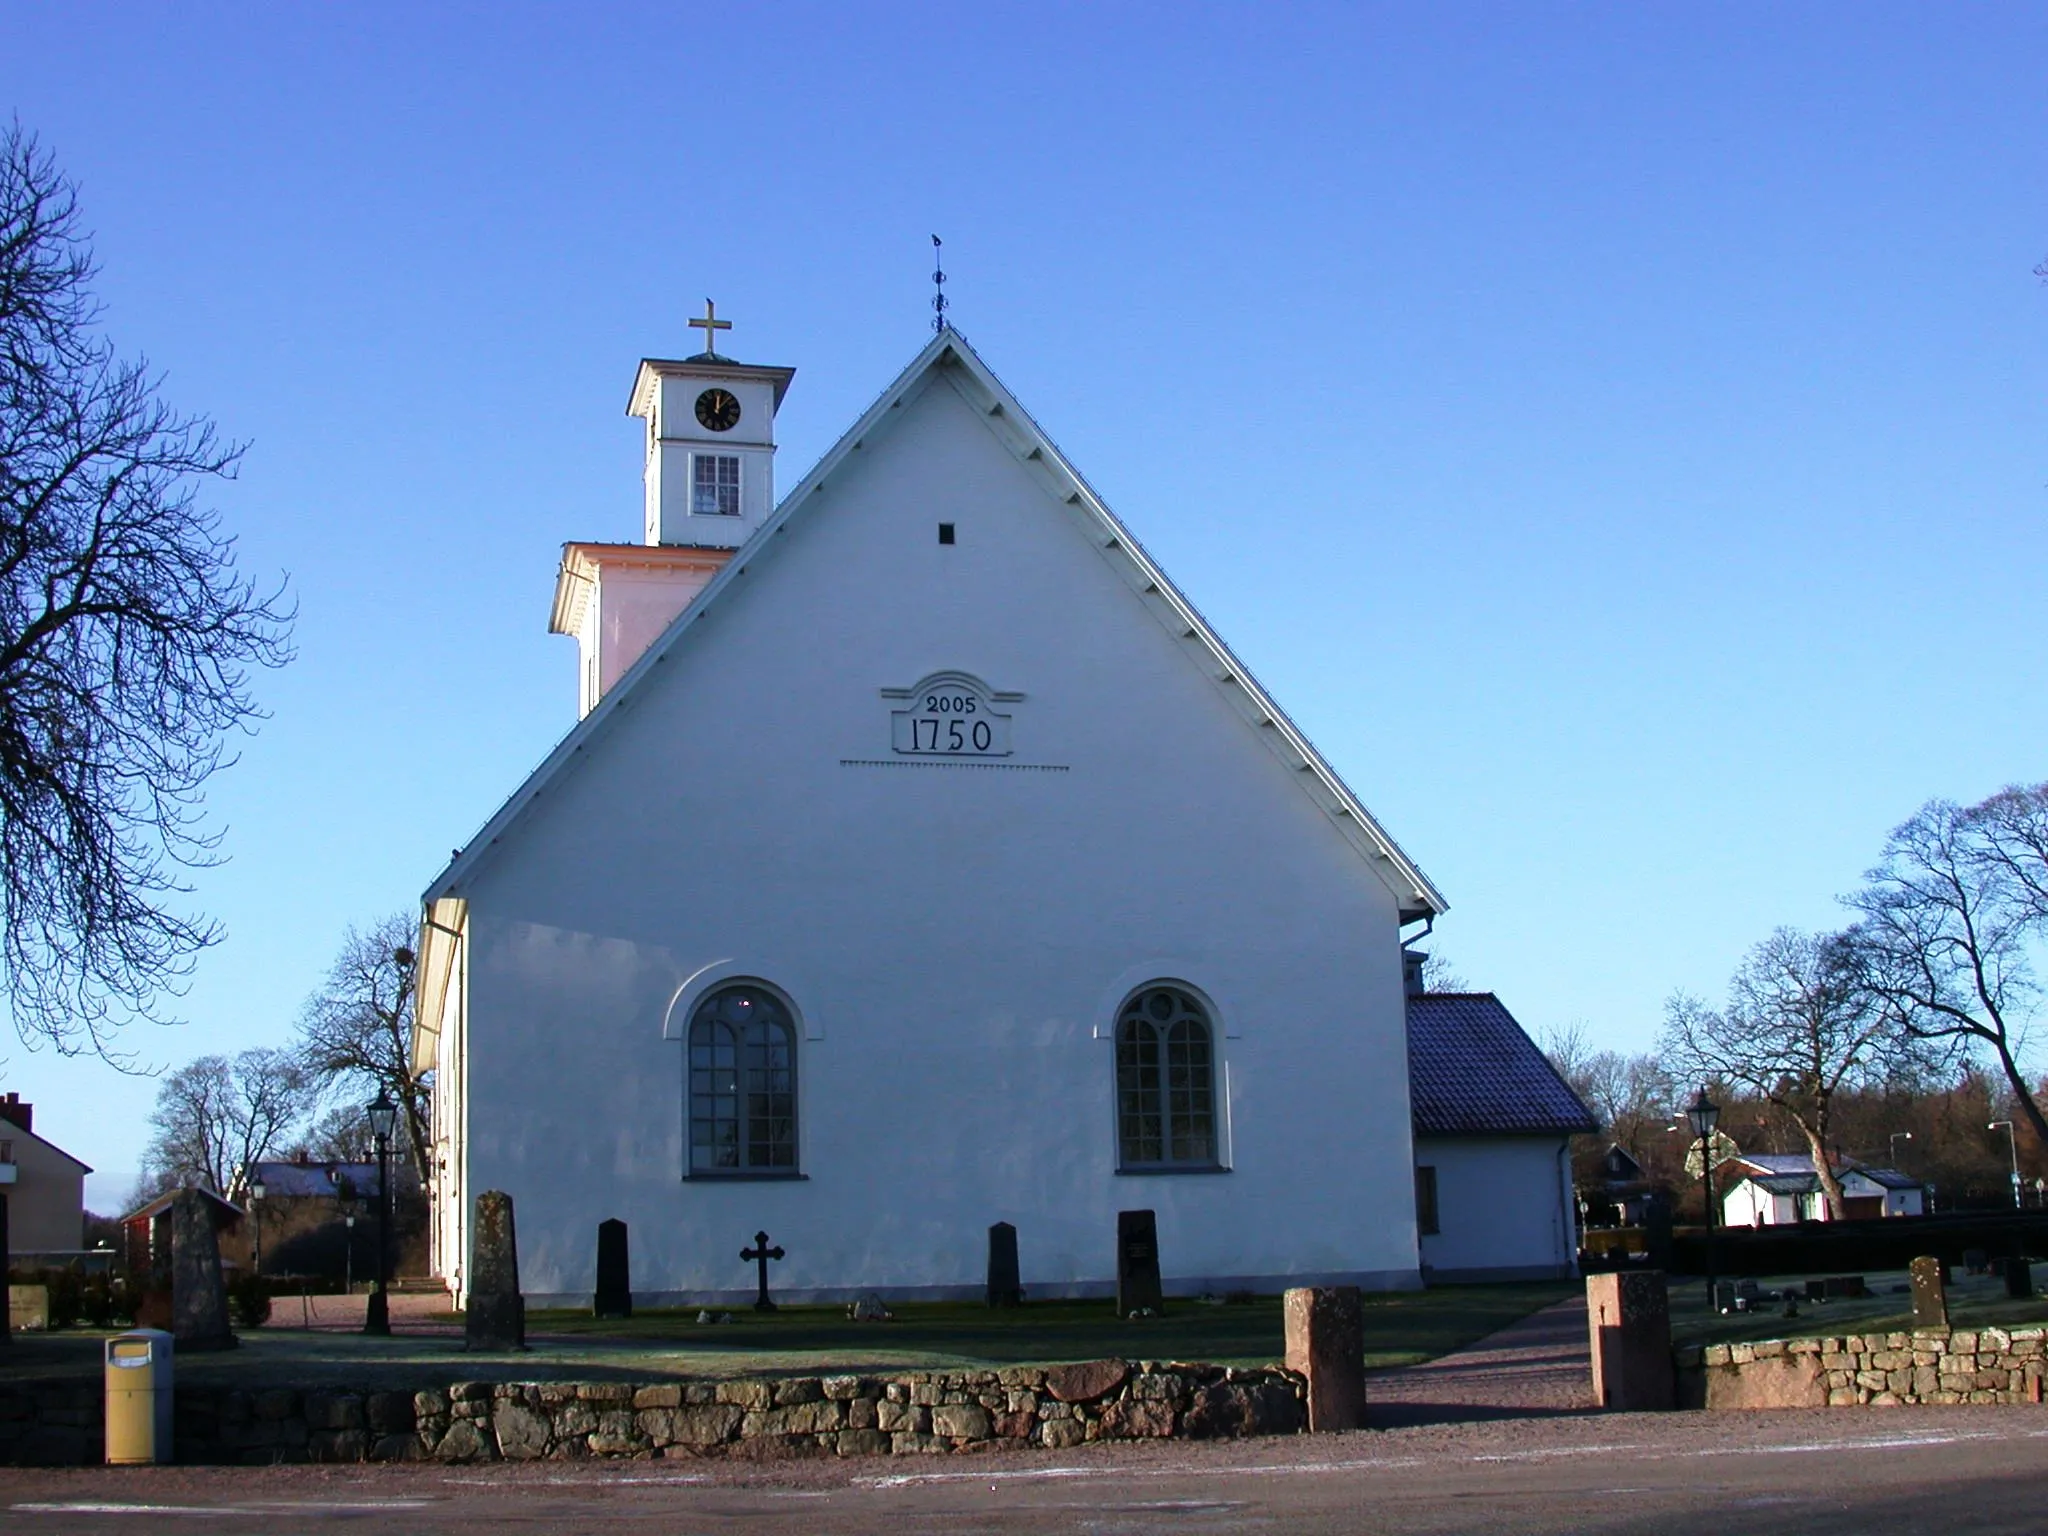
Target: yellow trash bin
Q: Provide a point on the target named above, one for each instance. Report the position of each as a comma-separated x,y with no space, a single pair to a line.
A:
139,1398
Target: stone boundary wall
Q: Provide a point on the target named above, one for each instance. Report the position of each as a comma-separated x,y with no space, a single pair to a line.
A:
1989,1365
61,1423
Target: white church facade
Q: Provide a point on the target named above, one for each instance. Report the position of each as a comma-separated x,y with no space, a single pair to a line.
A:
921,860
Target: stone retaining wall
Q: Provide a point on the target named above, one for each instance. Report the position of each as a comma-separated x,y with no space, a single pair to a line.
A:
61,1423
1990,1365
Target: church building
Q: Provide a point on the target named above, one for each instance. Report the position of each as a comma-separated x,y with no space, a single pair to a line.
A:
921,859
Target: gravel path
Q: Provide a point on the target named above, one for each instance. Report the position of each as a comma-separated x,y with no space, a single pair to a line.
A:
1538,1367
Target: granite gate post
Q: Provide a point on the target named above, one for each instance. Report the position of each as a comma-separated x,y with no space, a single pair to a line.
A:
1628,1314
1326,1343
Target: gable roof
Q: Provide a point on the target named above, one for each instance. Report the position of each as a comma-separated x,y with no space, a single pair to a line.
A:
1776,1162
1473,1071
1787,1173
288,1179
13,1130
156,1207
949,357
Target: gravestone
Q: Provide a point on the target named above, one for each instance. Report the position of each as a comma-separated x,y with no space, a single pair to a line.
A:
1976,1262
1816,1290
614,1274
1930,1301
497,1312
1325,1329
1844,1288
1137,1263
199,1299
1629,1316
1657,1231
2019,1278
759,1255
1005,1287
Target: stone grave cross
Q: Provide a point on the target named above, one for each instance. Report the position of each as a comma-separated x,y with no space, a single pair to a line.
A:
760,1254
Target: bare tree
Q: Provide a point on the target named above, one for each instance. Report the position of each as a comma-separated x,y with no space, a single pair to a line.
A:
342,1135
126,641
1799,1028
1950,915
216,1115
1440,974
356,1031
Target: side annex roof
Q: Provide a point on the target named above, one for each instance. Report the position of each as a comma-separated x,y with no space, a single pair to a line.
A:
948,357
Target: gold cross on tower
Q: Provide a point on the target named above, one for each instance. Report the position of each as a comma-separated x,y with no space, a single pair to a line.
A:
711,325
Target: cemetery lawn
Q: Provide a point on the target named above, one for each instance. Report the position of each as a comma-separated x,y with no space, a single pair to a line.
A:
1974,1301
1401,1328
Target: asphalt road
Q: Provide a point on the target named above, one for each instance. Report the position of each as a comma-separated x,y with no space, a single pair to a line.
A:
1768,1474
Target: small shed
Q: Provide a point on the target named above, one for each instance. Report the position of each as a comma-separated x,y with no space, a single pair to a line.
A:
146,1231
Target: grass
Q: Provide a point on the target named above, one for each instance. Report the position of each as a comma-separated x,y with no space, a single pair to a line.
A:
1401,1328
1974,1301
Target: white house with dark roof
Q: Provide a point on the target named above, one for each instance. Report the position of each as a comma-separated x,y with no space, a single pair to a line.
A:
922,859
1493,1128
1774,1189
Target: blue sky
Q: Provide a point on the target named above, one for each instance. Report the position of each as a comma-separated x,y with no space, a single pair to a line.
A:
1614,432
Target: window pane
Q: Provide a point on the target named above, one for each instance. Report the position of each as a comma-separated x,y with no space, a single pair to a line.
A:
742,1082
715,484
1165,1081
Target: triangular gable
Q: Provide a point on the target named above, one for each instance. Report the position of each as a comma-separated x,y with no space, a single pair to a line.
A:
948,357
10,1131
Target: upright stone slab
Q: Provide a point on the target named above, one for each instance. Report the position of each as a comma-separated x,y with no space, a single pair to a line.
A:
199,1299
497,1312
1930,1299
1628,1314
2019,1278
1005,1285
614,1272
1326,1343
1137,1263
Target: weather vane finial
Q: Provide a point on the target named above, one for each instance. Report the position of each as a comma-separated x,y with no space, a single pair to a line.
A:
939,305
711,325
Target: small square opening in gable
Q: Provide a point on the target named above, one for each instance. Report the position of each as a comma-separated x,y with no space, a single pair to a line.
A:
945,533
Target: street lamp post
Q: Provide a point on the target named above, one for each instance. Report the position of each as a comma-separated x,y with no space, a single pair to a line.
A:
256,1194
1897,1137
1705,1114
348,1256
2012,1143
377,1311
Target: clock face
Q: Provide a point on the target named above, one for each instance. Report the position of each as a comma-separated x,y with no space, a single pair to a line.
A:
718,410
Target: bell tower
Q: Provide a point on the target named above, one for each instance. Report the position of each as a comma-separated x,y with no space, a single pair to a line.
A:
710,466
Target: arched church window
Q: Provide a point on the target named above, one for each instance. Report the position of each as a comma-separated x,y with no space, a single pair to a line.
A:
1165,1082
742,1083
